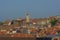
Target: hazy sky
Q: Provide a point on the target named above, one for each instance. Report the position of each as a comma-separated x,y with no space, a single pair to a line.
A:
10,9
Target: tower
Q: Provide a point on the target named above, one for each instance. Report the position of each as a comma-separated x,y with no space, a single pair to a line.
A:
27,17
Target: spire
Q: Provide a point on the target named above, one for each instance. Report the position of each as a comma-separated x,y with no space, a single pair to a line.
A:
27,13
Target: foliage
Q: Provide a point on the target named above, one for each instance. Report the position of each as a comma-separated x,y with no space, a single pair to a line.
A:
1,23
53,22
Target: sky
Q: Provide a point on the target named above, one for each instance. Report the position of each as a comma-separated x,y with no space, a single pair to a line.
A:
11,9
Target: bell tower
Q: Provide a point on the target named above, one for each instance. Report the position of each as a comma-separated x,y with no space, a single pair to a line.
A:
27,17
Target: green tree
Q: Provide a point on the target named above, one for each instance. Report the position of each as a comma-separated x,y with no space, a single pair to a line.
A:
1,23
53,22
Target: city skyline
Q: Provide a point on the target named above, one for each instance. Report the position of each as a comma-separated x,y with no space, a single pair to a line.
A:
11,9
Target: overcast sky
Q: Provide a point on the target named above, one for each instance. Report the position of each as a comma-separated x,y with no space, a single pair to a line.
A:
11,9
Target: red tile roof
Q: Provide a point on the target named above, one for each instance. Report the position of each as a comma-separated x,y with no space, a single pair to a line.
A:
21,35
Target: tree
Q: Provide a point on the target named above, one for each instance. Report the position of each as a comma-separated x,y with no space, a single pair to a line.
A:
1,23
53,22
